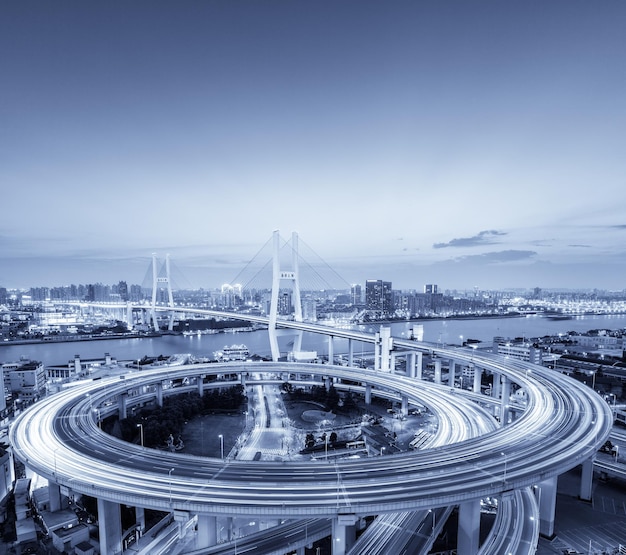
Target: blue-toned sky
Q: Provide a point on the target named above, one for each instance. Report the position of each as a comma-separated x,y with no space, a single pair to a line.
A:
464,143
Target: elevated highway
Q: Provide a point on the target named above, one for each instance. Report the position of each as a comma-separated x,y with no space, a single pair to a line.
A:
562,425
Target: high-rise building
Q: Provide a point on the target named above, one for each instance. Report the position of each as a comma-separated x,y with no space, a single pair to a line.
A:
430,288
122,290
356,294
378,296
284,303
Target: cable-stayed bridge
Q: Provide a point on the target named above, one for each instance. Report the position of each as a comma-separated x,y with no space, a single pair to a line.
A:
315,274
279,274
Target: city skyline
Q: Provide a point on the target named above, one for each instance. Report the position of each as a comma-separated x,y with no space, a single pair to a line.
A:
470,144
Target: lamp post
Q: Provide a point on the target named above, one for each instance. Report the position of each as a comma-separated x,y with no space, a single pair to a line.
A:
169,474
140,426
221,445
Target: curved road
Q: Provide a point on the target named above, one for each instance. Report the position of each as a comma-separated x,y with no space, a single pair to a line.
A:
563,425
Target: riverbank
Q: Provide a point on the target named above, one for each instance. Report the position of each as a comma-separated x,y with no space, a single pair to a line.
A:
443,318
83,337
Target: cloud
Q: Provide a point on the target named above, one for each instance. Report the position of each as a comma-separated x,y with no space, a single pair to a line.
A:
499,257
483,238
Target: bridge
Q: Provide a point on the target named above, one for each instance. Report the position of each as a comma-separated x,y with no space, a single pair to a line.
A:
484,446
561,426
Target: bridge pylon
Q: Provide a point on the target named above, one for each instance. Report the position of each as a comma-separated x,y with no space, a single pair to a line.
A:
158,280
279,276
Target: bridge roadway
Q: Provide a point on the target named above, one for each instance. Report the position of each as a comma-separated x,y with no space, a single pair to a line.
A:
562,426
87,460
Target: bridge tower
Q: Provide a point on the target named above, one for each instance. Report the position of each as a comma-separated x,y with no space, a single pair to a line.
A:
156,281
293,279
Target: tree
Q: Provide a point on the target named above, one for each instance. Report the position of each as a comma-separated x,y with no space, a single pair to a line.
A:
309,441
332,398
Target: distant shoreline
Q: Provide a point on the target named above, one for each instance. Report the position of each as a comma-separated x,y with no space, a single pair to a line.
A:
78,338
435,318
151,334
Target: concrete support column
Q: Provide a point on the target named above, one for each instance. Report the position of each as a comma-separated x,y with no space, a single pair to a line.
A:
438,371
418,367
386,345
350,352
405,405
327,383
331,353
451,371
140,518
159,394
122,406
368,394
129,316
297,342
201,385
469,528
377,351
207,531
495,392
586,480
410,365
110,527
547,506
505,394
54,492
496,387
478,373
344,534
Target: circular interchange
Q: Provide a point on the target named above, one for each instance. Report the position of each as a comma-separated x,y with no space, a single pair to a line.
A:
562,424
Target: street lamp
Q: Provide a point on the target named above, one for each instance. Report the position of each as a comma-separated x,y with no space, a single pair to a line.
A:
169,474
221,445
140,426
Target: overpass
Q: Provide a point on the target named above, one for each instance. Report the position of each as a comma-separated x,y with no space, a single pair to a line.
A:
561,426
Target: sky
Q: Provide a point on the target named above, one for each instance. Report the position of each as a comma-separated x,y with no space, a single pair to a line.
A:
463,143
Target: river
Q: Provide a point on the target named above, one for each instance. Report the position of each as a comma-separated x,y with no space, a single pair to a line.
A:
435,331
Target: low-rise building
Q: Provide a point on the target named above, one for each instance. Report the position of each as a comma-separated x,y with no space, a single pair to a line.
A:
66,539
7,474
518,349
25,379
